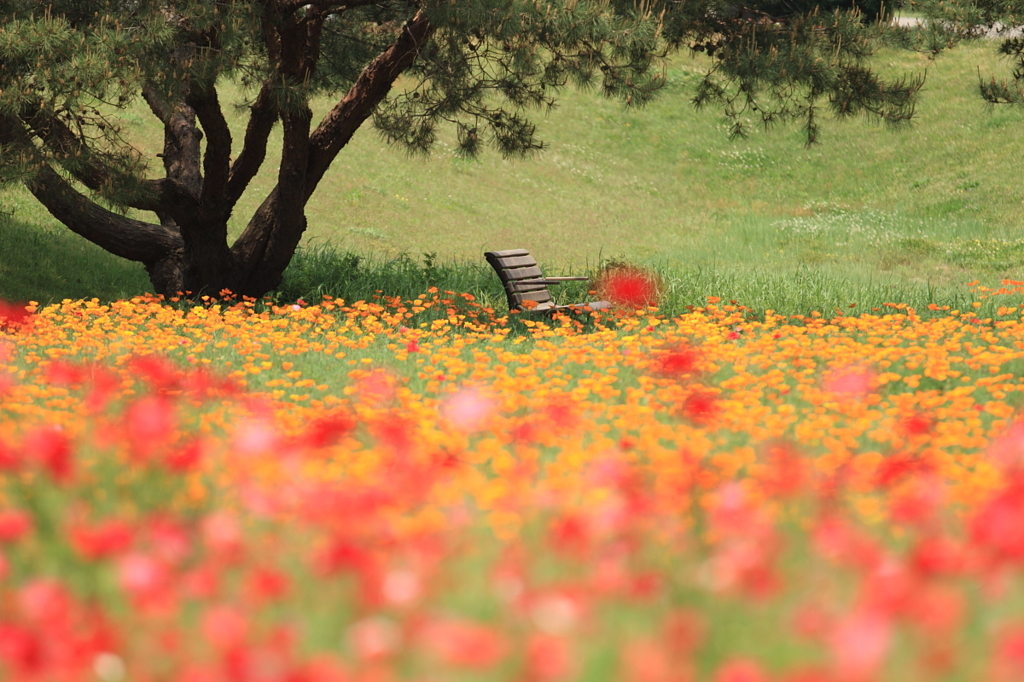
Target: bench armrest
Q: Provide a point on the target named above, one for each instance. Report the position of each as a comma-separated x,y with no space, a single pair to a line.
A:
515,285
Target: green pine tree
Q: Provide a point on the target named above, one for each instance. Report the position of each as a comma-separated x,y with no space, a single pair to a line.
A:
481,66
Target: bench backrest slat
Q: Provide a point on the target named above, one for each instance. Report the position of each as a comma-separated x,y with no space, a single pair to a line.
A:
517,261
516,274
527,285
542,296
515,268
507,252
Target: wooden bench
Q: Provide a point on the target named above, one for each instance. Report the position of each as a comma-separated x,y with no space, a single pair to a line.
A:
524,282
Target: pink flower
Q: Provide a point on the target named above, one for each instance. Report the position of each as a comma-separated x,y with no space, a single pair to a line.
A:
185,457
224,627
701,407
21,649
141,574
158,372
14,525
267,584
469,410
549,658
740,670
13,315
151,423
570,534
464,643
44,601
377,387
401,587
170,541
374,638
102,540
10,459
61,373
998,526
556,612
222,532
255,437
327,430
859,644
675,363
1007,451
646,660
851,382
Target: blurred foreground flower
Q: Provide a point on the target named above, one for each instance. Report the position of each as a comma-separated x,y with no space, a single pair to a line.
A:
13,314
628,286
469,409
851,382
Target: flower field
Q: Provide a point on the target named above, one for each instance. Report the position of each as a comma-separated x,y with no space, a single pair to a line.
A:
424,490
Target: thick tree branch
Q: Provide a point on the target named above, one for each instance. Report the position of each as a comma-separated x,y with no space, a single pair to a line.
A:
158,196
262,117
271,237
295,151
359,103
166,195
61,139
181,141
314,26
160,107
217,160
181,149
271,38
122,236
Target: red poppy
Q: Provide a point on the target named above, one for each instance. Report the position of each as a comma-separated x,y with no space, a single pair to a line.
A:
628,287
13,315
678,362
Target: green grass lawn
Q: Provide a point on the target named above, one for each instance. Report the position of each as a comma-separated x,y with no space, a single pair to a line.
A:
912,213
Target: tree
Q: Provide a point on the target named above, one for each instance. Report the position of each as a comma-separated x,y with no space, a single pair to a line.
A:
67,67
946,24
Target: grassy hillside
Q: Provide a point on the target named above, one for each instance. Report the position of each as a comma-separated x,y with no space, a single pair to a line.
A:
41,260
925,209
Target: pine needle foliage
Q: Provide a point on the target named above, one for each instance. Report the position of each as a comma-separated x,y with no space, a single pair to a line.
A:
945,24
486,67
778,69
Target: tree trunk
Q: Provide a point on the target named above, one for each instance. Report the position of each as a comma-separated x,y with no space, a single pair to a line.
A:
187,251
273,238
269,241
205,265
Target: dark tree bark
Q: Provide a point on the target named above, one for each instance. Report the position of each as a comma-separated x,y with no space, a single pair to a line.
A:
158,247
269,241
